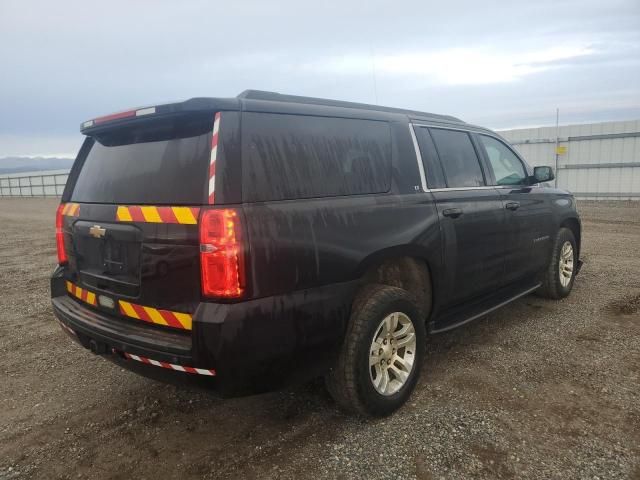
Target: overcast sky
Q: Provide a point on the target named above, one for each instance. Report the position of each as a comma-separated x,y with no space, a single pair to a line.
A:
501,64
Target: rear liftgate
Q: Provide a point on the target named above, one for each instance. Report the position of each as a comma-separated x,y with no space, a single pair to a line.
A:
150,263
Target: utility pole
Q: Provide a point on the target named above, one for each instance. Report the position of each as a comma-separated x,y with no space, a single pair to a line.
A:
555,168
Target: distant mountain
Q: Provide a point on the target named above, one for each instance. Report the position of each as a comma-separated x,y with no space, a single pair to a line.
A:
33,164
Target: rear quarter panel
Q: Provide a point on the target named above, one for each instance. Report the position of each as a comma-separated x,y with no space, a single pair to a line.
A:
305,243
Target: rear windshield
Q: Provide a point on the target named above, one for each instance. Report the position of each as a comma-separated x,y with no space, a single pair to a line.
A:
294,156
159,162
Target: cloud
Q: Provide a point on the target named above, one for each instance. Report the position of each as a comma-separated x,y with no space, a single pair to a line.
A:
458,66
498,63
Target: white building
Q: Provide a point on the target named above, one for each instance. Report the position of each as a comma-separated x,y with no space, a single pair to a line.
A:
594,161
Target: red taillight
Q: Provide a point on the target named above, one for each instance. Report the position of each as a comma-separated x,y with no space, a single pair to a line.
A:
221,253
62,253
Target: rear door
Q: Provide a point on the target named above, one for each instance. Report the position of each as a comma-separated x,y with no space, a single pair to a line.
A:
470,212
527,210
131,226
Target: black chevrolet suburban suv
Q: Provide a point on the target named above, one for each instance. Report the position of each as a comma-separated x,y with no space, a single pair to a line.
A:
255,241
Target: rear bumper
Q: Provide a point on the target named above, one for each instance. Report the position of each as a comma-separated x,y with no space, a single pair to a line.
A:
122,335
252,346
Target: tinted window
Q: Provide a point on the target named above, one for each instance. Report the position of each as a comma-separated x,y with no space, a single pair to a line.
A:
507,168
458,158
432,167
292,156
158,163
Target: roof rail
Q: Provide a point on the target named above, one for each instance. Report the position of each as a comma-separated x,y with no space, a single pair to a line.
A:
279,97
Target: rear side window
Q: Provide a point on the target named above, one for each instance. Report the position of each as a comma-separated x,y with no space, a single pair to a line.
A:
458,158
433,169
158,162
293,156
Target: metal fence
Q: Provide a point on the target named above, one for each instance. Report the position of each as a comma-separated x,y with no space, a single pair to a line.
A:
599,161
34,184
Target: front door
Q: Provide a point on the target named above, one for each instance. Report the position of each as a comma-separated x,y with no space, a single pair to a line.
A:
528,237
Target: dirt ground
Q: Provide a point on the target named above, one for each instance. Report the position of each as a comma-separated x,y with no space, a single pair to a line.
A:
538,389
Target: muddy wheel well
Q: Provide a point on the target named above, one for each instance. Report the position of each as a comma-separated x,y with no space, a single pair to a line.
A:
573,225
409,273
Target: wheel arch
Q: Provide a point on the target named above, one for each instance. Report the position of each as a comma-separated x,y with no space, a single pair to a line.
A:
406,267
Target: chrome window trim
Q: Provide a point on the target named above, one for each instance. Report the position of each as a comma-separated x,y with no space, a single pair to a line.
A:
423,178
461,129
458,129
449,189
412,126
486,187
429,125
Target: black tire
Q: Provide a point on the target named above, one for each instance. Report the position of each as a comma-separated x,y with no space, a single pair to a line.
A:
349,382
551,285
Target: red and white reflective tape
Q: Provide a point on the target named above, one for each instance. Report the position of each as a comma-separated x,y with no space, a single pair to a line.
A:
212,162
67,329
171,366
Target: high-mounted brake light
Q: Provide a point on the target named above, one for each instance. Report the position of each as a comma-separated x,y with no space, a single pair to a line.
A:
62,253
117,116
114,116
221,253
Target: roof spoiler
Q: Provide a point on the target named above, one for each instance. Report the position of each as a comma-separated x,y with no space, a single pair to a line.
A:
216,104
142,113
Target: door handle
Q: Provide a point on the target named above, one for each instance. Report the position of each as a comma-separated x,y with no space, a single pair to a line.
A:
512,206
452,212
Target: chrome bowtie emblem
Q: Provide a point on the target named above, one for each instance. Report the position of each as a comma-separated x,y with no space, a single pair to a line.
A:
97,231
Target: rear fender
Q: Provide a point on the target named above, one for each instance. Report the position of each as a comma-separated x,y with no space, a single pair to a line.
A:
410,267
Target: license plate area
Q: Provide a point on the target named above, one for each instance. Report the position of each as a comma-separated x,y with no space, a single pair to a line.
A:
108,257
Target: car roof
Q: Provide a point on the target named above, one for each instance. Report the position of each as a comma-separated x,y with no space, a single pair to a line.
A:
264,101
261,95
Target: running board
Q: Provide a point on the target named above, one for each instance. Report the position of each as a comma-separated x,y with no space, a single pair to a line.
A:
483,312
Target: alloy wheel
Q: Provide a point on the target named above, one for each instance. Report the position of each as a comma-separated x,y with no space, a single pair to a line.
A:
566,264
392,353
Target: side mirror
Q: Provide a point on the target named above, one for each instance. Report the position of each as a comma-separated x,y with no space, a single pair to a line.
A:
542,174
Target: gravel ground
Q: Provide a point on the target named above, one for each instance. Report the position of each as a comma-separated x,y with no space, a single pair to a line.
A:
538,389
